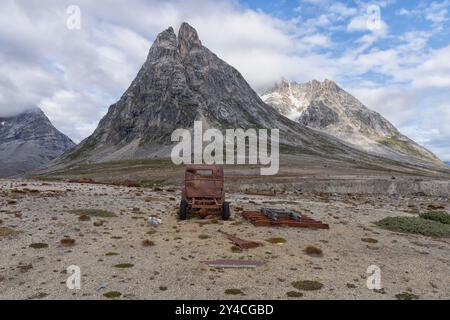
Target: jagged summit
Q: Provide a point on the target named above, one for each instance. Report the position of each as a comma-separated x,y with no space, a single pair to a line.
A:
326,106
187,39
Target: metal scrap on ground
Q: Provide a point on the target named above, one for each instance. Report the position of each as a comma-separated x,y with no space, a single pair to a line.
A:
234,263
241,243
277,217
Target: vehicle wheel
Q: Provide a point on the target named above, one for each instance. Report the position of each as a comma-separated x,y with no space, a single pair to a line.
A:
226,211
183,210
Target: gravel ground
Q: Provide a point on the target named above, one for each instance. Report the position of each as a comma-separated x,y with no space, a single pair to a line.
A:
173,267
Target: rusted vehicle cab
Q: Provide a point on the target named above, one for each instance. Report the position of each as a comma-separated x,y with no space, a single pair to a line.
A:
204,192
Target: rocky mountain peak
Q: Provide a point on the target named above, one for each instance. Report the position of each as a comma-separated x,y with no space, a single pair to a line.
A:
29,140
327,107
187,39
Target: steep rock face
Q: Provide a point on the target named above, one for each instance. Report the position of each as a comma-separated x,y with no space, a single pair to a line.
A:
28,141
327,107
180,82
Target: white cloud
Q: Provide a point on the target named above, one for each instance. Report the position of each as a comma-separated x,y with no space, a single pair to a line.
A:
75,75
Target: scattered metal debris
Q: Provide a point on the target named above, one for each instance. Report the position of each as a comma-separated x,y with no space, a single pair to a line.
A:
234,263
276,217
275,213
262,193
241,243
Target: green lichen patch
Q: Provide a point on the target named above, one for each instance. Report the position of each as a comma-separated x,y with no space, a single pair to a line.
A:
313,251
94,213
294,294
407,296
307,285
234,291
124,265
112,294
39,245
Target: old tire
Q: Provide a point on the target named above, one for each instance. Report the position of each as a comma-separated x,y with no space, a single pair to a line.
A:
226,211
183,210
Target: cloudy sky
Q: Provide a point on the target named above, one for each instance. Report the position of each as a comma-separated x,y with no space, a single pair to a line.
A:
397,64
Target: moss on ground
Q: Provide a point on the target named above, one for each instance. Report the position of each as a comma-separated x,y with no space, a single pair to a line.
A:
39,245
307,285
93,213
438,216
415,225
124,265
8,232
112,294
234,291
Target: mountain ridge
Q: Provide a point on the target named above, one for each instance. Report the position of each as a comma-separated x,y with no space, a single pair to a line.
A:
327,107
28,141
180,82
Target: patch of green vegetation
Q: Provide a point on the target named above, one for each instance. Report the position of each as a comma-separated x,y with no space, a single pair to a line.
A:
203,236
124,265
369,240
112,294
236,249
39,245
234,291
93,213
407,296
276,240
307,285
313,251
415,225
109,254
294,294
8,232
438,216
402,146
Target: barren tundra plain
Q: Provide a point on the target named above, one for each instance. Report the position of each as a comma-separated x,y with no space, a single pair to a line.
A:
47,226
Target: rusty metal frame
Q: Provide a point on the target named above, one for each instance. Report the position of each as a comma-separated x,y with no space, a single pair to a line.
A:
204,200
